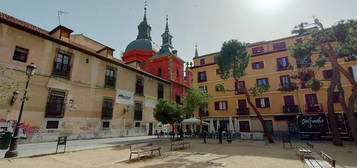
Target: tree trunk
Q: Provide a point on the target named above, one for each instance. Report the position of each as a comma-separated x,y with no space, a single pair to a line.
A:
349,112
336,139
265,129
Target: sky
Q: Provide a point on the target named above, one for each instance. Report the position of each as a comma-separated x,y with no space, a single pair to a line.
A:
206,22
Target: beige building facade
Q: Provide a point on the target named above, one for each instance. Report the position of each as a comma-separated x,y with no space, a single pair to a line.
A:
79,89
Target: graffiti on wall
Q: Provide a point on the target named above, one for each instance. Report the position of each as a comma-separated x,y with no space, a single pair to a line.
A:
25,130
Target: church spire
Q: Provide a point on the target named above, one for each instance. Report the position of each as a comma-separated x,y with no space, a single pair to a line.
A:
166,36
196,52
144,28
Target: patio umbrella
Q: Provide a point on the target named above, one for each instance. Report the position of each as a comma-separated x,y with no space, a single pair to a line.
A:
211,126
230,125
193,121
236,124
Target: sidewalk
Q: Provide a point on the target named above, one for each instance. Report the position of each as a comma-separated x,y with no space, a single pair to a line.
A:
75,145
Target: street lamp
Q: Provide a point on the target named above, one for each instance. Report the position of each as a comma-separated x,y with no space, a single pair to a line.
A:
12,152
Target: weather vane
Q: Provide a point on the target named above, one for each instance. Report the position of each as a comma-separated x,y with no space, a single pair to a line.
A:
60,12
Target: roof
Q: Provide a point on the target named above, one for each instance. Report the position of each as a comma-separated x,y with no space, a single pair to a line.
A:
32,29
60,27
142,44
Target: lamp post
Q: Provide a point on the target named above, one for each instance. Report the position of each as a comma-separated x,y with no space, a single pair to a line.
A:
12,152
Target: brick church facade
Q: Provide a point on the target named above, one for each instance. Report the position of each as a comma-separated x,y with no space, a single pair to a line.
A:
162,61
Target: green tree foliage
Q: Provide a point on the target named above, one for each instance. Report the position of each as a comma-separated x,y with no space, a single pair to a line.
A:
233,59
194,99
330,44
167,112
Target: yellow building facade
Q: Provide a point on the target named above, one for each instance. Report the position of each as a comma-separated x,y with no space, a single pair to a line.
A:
79,89
269,63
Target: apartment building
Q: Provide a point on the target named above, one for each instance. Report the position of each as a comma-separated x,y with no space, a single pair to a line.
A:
269,64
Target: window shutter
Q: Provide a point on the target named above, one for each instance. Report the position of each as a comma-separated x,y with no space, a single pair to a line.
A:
257,103
225,105
216,105
267,103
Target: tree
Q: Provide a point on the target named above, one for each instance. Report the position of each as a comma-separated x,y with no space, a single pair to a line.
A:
194,99
338,41
233,60
168,112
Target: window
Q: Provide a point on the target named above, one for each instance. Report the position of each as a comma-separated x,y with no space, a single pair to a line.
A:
106,124
257,50
239,87
52,124
159,72
289,100
299,40
107,109
177,74
202,76
204,88
258,65
220,105
285,80
306,62
20,54
242,104
336,97
262,102
178,99
282,63
203,109
279,46
262,81
139,86
218,72
244,126
138,113
202,61
327,74
55,105
218,89
110,79
160,91
62,65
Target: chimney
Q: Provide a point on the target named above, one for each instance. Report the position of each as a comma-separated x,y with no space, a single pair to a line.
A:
61,32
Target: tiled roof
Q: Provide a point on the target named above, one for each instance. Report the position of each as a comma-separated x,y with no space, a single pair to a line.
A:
22,23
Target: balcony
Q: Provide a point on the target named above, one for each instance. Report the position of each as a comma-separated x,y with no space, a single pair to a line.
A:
239,91
289,87
313,108
291,109
107,113
282,68
60,69
203,113
54,110
350,58
242,111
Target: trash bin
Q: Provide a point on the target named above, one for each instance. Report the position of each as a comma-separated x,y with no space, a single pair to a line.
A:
5,140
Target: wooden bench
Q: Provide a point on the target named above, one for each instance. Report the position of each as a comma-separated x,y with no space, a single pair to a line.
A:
326,162
304,152
179,144
143,148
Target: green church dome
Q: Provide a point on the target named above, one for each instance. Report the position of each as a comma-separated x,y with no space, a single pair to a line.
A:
142,44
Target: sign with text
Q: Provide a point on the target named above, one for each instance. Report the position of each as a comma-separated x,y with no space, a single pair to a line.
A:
150,101
124,97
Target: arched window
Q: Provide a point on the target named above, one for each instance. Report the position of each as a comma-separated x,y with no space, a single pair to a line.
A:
159,72
177,74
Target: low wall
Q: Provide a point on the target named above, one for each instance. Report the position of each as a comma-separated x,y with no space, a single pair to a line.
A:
48,137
